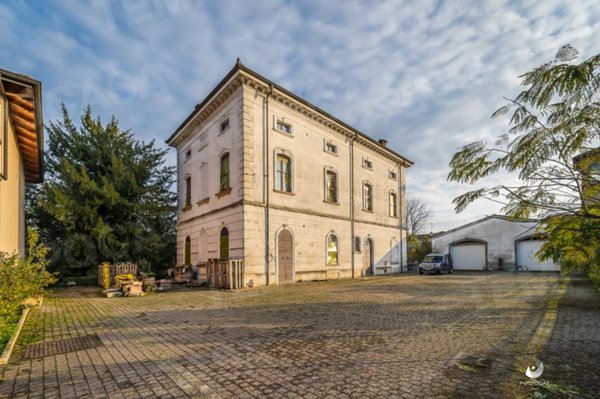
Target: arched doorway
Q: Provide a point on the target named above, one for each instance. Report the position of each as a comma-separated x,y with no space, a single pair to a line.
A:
368,254
187,251
285,257
224,243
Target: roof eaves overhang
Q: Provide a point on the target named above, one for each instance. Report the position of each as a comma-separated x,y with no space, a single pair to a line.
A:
11,78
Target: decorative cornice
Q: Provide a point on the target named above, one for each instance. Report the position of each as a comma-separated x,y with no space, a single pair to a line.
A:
241,75
317,116
224,94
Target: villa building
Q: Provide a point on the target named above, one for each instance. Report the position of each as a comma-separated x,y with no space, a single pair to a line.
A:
266,177
21,143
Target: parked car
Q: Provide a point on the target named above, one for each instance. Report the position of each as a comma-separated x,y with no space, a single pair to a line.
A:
436,263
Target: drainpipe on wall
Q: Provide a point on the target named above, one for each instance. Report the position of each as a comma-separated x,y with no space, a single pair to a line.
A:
352,203
401,203
4,136
266,179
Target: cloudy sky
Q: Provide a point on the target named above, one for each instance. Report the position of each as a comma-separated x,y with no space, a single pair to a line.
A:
425,75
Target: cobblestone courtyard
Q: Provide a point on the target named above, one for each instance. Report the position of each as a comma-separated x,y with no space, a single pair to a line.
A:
460,335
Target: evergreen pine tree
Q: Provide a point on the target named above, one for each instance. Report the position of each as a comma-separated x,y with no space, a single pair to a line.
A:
106,197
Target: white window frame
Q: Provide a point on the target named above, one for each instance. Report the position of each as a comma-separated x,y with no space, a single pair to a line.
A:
327,144
367,163
290,156
337,185
284,121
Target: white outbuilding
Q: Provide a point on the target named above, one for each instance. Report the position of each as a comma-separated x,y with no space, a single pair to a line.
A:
492,243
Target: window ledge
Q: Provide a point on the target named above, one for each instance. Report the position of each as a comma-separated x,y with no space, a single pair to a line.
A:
283,192
203,201
223,193
368,211
330,202
335,154
186,208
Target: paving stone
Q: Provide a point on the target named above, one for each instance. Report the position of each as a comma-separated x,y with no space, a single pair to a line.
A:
382,337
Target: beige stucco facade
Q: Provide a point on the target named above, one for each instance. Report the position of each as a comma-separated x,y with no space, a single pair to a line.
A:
256,210
12,191
20,155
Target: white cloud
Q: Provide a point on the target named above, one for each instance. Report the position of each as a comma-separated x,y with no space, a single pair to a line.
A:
426,75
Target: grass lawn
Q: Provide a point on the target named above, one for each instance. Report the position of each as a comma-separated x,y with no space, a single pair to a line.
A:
7,327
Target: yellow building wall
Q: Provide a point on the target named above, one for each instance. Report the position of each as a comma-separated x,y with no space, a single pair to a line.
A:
12,191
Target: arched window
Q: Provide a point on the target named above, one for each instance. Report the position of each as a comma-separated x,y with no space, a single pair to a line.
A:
224,176
332,250
331,185
357,244
187,254
283,173
224,243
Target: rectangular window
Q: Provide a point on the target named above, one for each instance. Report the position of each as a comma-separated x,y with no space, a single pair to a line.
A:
188,191
283,174
224,177
367,197
188,154
331,194
393,175
284,127
332,148
393,205
224,125
367,164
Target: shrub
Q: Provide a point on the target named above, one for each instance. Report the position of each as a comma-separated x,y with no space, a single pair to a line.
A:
20,279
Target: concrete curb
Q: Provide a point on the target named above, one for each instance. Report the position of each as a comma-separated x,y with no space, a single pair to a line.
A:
13,339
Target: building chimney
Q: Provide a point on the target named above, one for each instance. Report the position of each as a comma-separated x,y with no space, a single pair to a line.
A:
383,142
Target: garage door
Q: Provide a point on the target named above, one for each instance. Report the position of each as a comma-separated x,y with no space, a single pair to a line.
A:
468,256
526,251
